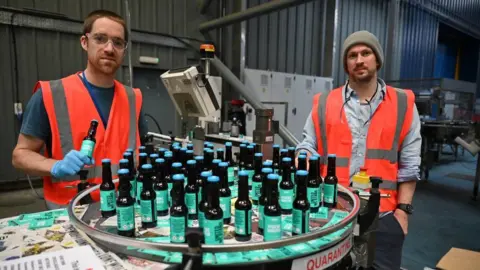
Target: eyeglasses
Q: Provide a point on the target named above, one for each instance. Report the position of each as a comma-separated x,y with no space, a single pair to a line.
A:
103,39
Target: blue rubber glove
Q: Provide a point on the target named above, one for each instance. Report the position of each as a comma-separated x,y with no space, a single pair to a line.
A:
70,164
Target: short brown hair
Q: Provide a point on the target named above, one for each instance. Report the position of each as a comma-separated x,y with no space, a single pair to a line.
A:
101,13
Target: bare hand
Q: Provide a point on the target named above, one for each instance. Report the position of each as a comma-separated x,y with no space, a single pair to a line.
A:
402,218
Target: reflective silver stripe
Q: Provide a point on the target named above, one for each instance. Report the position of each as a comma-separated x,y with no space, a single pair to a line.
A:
93,172
115,168
62,116
392,154
322,104
388,184
132,132
341,162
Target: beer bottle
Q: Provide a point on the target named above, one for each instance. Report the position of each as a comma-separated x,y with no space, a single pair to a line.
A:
213,223
88,143
190,146
160,186
148,205
286,187
199,160
302,162
208,158
142,160
202,205
190,155
191,192
262,199
301,206
168,174
249,168
320,180
276,158
211,146
272,217
283,154
257,179
107,190
183,156
125,206
176,154
243,210
313,185
142,149
161,152
177,169
215,163
232,167
330,184
225,192
221,154
153,157
243,152
133,173
293,169
178,210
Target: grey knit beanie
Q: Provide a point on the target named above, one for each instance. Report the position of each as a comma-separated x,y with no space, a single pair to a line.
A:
362,37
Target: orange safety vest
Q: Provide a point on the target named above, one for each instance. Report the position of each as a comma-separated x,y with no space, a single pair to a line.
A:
70,109
388,128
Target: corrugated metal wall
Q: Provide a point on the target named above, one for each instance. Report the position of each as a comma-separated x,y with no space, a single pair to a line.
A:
466,10
418,39
288,40
46,55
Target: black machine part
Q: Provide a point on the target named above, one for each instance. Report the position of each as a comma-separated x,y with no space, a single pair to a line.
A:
192,260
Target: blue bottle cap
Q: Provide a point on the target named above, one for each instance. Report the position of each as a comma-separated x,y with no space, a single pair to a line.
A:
154,156
106,160
123,172
216,161
190,145
223,164
332,155
146,166
302,156
175,143
287,159
189,151
219,149
228,144
250,147
258,154
142,154
176,147
243,145
142,147
162,149
168,154
198,158
129,150
191,162
317,155
183,149
283,151
245,142
206,174
179,177
303,153
242,173
177,165
313,158
302,173
276,146
159,160
267,163
272,176
123,160
291,148
127,154
267,170
213,179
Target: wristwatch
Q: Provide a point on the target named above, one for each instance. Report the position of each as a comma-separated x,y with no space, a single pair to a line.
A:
407,208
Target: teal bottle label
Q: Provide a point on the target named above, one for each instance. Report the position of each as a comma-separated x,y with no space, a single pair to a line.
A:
133,190
256,190
199,194
87,148
225,204
170,185
161,200
243,222
201,218
260,216
177,229
328,193
286,199
312,195
231,175
320,194
251,173
148,211
213,230
107,200
125,218
300,221
191,202
139,189
272,228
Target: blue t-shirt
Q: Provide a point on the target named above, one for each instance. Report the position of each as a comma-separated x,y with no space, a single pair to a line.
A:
35,118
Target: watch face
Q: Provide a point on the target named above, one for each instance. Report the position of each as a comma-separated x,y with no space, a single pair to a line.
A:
410,208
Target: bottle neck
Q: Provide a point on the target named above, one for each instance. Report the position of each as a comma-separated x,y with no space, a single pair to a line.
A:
331,167
204,188
160,172
301,187
199,167
286,172
243,153
106,174
276,156
223,174
147,180
142,161
178,191
243,188
220,155
213,197
313,169
271,187
192,174
168,166
228,155
258,165
302,164
124,186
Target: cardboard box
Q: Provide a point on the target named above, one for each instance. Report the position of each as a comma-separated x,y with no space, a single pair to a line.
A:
460,259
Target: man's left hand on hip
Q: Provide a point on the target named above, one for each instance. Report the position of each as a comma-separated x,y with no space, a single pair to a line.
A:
402,219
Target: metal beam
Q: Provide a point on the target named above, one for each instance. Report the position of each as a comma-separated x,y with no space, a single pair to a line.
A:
66,25
392,34
249,13
250,96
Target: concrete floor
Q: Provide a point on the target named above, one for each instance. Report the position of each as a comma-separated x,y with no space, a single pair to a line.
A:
444,215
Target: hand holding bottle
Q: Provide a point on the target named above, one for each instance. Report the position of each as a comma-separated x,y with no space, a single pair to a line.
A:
70,164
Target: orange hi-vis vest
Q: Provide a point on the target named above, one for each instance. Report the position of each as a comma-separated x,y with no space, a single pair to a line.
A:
70,109
388,128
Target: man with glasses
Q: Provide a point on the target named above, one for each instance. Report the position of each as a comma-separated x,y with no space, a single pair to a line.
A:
369,124
59,113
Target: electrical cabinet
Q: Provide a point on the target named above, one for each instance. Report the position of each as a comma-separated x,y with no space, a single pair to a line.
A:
289,95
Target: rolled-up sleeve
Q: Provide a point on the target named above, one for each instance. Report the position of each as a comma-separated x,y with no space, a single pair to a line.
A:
309,142
409,157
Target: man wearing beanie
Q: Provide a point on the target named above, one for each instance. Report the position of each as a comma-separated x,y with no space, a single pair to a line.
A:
370,125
